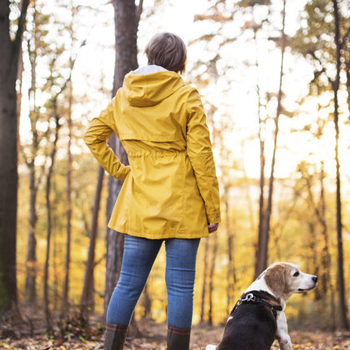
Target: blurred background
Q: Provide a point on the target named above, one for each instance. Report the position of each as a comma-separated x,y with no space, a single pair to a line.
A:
274,77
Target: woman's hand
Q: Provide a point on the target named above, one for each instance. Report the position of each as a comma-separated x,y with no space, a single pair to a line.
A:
213,227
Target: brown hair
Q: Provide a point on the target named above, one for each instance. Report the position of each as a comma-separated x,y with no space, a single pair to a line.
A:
167,50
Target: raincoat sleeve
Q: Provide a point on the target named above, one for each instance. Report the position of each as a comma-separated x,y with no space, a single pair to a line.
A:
96,137
201,157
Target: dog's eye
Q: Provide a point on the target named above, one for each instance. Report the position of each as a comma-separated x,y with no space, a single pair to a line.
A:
296,274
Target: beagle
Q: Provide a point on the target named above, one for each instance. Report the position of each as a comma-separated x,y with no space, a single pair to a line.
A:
258,317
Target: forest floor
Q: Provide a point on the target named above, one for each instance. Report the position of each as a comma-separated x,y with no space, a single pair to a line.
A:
154,337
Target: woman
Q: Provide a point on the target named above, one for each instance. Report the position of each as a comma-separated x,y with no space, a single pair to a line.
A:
170,192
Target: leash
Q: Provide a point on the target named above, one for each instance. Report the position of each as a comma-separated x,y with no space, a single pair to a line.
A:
251,298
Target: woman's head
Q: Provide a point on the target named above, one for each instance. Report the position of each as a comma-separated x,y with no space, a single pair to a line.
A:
167,50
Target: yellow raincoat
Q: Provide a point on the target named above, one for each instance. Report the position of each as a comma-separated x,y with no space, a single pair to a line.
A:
170,189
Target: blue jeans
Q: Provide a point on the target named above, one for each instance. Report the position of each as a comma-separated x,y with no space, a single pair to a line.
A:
139,256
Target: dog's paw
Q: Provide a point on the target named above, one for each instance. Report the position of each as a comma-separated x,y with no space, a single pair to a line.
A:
210,347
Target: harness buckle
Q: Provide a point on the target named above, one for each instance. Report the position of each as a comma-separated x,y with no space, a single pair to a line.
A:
249,298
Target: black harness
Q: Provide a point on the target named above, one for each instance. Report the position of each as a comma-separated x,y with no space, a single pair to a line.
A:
254,298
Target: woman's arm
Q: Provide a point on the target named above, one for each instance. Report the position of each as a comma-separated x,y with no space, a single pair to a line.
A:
96,137
200,154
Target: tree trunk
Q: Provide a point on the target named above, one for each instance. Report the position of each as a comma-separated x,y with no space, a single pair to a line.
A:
30,285
65,299
259,247
10,52
231,273
87,297
320,214
126,23
55,268
204,285
49,223
211,280
31,261
319,210
326,256
147,303
262,170
312,263
342,307
262,249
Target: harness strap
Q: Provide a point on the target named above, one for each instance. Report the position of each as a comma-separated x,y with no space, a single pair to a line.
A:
251,298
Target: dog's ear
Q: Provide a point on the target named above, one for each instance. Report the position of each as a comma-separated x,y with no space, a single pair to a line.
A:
275,279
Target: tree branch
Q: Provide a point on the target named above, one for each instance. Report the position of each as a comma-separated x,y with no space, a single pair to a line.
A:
20,29
139,12
313,55
69,78
345,36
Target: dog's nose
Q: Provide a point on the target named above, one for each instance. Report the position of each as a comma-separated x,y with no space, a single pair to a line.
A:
314,278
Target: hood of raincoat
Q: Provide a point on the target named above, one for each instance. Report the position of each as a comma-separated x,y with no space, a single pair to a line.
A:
148,86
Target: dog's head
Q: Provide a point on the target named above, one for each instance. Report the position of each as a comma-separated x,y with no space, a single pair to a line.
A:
285,279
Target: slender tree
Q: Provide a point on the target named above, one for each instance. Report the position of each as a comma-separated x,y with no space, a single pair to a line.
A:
57,92
231,269
30,285
261,134
321,265
147,303
35,38
211,279
264,226
342,307
325,256
10,50
205,281
65,301
86,301
319,210
49,216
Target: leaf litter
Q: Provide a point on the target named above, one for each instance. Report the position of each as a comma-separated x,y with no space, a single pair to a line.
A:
154,338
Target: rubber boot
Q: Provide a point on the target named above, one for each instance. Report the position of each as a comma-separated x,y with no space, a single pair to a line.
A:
178,338
115,336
